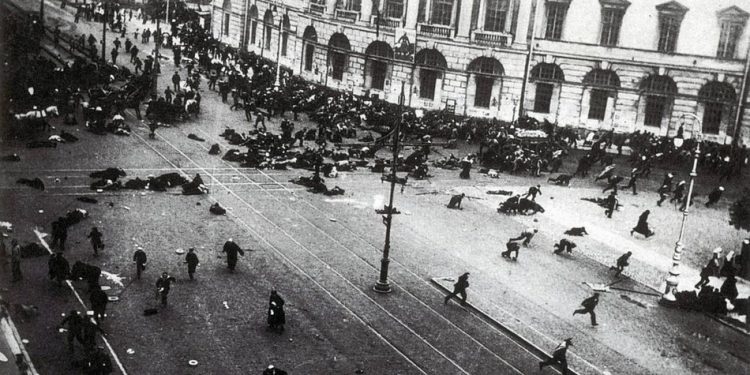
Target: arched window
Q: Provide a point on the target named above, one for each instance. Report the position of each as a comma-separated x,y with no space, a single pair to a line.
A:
284,34
338,51
717,99
546,76
659,91
431,66
486,70
253,23
309,38
268,28
604,85
378,54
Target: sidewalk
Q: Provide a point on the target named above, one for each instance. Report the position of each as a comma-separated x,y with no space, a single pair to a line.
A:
12,348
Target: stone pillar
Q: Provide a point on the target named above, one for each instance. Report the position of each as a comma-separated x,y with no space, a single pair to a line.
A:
524,17
365,11
464,19
330,7
412,11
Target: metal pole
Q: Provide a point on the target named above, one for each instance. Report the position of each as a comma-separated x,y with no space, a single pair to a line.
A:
674,273
528,61
383,286
104,35
278,56
741,104
41,14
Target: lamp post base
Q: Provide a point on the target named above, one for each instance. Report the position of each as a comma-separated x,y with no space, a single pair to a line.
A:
383,288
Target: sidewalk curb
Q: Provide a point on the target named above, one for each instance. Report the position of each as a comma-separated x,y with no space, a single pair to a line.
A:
537,351
11,335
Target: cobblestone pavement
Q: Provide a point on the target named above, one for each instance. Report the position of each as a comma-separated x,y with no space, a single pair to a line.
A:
323,255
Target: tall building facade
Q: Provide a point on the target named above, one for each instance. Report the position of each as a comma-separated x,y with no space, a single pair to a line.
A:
598,64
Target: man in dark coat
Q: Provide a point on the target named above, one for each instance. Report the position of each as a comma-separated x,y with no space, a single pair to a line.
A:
588,307
192,261
455,202
140,262
564,245
96,240
679,191
642,226
163,285
634,173
59,268
176,81
74,320
611,203
711,269
232,249
276,316
98,301
622,262
459,288
559,356
511,247
714,196
533,191
612,183
663,194
526,236
59,234
89,329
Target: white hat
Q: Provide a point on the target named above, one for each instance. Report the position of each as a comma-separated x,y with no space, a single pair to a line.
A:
717,250
721,188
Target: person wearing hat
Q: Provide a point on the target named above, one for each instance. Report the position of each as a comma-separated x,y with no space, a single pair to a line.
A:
589,304
271,370
679,191
140,261
711,269
232,249
611,204
96,240
192,262
634,174
74,320
459,288
668,181
276,316
622,262
533,191
714,196
559,356
163,285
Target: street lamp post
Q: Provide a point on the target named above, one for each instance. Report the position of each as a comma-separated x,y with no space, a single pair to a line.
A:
383,286
41,14
674,273
277,84
104,34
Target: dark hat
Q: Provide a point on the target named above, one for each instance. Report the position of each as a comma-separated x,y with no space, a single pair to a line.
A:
569,340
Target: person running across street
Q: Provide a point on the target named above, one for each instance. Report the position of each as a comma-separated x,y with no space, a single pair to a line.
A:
459,288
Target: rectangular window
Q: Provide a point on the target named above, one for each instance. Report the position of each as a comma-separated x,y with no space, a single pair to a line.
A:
442,12
338,64
353,5
495,15
555,19
253,27
309,54
669,29
730,34
483,95
226,23
427,80
712,117
269,31
284,41
598,104
421,14
394,8
379,70
655,106
611,22
543,97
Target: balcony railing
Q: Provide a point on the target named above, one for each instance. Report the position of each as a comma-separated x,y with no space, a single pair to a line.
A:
386,23
317,8
436,31
491,38
347,15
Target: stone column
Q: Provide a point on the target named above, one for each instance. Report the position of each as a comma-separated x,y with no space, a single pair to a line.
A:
330,7
524,17
464,19
412,11
365,11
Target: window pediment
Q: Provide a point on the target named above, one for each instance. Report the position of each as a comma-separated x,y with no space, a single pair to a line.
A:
672,8
733,13
618,4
